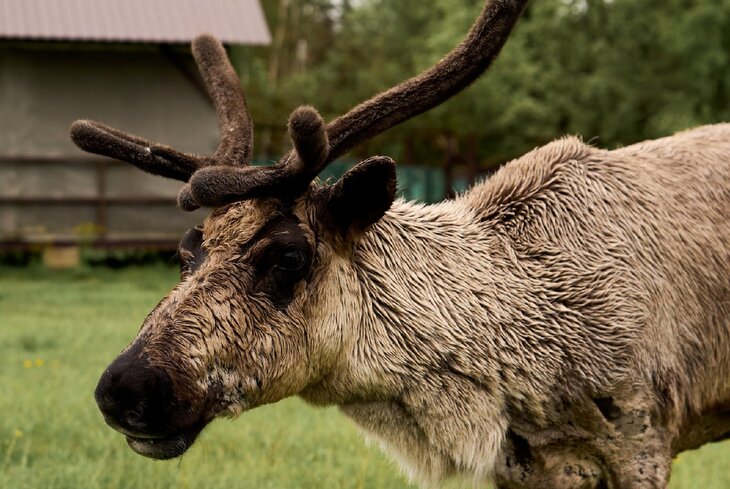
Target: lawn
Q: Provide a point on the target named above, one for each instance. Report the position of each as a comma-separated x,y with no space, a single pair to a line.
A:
57,333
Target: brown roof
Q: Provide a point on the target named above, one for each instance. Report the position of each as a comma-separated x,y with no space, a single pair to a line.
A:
153,21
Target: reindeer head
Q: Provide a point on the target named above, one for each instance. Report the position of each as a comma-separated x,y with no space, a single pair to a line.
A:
269,294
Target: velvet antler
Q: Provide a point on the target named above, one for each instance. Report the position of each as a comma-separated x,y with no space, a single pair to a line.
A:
236,130
216,186
456,71
225,178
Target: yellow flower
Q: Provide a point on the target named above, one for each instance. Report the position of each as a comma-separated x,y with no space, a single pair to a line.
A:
39,362
28,363
18,433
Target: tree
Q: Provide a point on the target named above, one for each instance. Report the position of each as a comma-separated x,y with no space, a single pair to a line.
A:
614,71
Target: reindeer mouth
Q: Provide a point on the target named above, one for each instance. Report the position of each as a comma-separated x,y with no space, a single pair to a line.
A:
164,448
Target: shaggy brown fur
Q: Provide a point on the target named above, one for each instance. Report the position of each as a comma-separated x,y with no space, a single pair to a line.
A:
562,325
567,320
565,324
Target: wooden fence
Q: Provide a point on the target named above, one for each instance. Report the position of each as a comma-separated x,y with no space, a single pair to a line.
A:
103,203
97,202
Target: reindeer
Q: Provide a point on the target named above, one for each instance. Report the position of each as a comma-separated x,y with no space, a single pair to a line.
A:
564,324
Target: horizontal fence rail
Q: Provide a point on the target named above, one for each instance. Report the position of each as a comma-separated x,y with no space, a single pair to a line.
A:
103,203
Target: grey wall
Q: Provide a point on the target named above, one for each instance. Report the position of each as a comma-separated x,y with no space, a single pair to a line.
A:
46,86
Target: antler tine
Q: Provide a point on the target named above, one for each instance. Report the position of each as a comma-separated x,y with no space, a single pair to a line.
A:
448,77
236,140
234,121
311,146
220,185
158,159
236,128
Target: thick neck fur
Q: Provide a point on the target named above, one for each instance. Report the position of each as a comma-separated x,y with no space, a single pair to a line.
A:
432,381
517,304
452,340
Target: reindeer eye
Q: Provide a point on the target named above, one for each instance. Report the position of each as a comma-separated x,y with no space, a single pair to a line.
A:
282,262
291,260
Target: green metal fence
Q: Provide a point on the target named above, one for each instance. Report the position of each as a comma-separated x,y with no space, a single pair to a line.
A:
420,183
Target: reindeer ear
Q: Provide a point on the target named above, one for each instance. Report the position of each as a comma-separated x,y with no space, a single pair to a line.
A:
361,197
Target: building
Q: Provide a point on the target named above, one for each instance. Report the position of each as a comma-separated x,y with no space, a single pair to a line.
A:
126,63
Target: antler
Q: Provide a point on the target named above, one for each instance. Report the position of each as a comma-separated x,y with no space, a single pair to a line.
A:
236,129
219,185
225,178
292,175
456,71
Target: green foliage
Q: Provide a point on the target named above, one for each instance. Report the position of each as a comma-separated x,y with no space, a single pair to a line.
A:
613,71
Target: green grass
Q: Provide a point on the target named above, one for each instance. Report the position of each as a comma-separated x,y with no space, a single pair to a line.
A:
57,333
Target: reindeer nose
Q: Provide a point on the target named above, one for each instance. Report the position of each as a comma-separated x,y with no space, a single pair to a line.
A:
134,397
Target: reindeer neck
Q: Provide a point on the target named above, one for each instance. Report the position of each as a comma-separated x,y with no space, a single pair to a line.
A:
417,285
424,273
447,293
421,348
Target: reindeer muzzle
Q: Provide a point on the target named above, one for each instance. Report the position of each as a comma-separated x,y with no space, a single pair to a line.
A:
138,400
